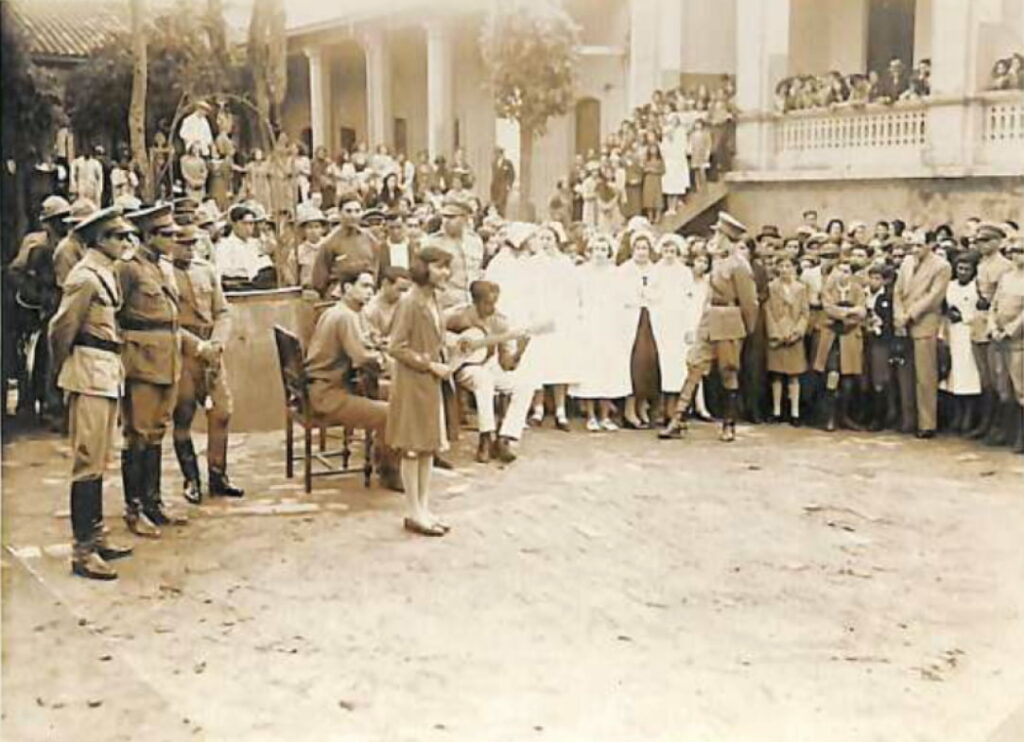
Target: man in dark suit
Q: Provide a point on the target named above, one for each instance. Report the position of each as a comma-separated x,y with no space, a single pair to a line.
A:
503,175
894,82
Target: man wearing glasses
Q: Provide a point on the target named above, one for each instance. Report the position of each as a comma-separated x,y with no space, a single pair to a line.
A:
85,343
347,245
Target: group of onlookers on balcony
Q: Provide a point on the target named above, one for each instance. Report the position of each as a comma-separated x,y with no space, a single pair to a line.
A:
668,148
1008,73
833,89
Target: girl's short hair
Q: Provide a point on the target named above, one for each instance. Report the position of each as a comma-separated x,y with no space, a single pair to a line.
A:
419,270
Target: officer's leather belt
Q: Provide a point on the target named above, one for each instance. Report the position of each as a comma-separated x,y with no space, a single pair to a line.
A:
816,307
200,332
719,303
91,341
143,325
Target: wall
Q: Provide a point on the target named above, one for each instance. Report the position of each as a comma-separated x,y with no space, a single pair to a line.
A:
922,30
473,103
709,37
295,115
347,77
409,86
929,202
828,34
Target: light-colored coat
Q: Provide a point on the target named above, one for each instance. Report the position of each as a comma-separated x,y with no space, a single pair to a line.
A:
786,314
851,340
414,407
919,294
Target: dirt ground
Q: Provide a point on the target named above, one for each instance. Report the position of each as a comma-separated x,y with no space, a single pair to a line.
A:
790,586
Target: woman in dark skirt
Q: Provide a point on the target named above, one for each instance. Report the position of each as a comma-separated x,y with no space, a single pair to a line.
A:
415,417
637,276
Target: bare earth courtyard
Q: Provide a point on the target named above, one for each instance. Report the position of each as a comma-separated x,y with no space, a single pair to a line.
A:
791,586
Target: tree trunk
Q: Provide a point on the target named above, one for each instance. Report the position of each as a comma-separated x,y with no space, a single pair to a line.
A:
526,209
137,109
258,61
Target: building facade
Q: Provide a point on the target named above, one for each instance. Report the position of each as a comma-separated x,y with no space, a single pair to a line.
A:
409,74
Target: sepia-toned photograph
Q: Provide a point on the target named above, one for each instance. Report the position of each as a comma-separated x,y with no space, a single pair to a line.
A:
512,370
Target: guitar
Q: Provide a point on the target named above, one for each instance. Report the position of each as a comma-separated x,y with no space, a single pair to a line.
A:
471,347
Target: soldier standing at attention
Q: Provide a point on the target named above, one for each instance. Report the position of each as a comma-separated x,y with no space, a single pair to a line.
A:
86,350
728,316
152,364
204,312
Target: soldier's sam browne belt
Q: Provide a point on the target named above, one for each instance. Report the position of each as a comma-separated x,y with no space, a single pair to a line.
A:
144,325
91,341
720,303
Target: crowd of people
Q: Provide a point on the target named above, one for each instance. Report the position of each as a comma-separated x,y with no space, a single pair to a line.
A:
454,307
834,89
1008,73
667,148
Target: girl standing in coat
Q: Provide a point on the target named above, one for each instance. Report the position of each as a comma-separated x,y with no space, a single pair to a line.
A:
840,351
786,316
604,373
652,197
634,171
415,419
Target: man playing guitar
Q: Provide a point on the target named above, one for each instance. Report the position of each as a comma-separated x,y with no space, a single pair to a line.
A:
483,370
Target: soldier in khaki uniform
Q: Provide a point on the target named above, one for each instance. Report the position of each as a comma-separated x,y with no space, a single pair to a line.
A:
152,361
729,314
994,378
465,247
204,312
86,350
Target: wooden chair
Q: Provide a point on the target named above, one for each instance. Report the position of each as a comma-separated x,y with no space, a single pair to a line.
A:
298,411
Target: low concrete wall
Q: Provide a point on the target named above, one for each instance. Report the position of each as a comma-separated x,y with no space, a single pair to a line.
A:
925,201
254,375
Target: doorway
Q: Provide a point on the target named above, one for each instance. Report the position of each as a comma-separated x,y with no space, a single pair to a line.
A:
890,33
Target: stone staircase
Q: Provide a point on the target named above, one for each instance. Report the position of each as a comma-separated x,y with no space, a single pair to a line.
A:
696,204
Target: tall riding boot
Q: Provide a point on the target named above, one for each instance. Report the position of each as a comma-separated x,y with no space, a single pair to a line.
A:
845,402
86,511
880,410
830,410
987,405
728,434
956,417
134,482
153,504
100,539
968,407
186,452
997,432
1018,443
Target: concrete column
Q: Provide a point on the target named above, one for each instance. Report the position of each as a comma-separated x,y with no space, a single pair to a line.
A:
440,89
952,124
319,108
643,51
378,87
670,43
762,60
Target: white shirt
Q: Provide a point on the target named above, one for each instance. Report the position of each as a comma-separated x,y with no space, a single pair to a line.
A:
399,254
196,128
238,258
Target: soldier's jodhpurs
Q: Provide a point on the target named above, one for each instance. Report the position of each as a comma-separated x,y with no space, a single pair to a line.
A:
193,388
92,421
145,416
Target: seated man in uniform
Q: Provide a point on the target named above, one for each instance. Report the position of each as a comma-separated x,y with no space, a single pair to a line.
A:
336,351
241,263
495,373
